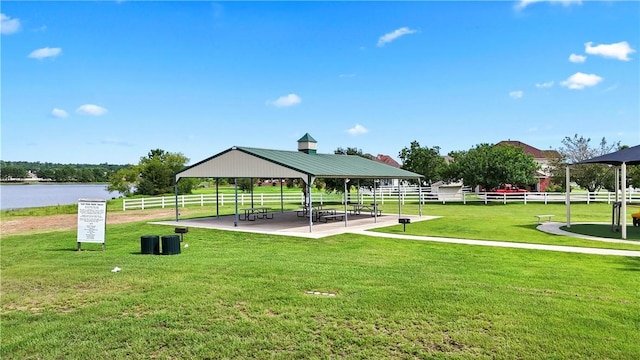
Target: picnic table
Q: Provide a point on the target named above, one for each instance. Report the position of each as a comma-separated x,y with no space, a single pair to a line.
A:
253,213
321,212
357,209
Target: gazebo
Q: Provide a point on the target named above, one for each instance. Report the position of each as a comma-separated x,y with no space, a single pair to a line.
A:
305,164
621,158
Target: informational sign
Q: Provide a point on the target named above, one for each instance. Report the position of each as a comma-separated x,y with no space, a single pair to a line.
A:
92,221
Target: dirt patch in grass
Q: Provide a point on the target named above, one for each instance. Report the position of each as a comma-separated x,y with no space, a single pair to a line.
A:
47,223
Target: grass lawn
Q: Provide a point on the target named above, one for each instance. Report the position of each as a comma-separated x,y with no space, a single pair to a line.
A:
512,222
240,295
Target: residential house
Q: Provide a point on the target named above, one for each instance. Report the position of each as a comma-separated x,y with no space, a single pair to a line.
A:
541,157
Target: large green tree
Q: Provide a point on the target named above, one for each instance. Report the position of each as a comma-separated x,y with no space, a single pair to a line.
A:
154,175
592,177
12,172
124,180
423,160
492,166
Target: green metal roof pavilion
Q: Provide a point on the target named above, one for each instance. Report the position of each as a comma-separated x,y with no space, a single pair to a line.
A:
305,164
244,162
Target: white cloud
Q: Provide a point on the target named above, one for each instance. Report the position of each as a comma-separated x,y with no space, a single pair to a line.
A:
579,81
59,113
90,109
357,130
8,25
389,37
45,53
545,85
575,58
517,94
521,4
618,51
286,101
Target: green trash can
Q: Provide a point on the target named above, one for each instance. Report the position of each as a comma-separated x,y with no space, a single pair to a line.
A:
150,244
170,244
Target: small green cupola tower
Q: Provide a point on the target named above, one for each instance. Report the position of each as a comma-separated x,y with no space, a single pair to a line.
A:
307,144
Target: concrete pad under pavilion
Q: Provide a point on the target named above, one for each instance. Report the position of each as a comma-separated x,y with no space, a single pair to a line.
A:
288,223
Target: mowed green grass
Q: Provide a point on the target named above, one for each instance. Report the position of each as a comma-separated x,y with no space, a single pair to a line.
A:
242,295
513,222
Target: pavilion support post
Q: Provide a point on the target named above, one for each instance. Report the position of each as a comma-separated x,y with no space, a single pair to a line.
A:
346,182
567,200
375,202
399,203
310,203
419,198
251,187
623,207
175,189
217,198
235,186
281,197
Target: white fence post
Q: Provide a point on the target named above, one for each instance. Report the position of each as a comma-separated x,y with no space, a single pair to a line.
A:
142,204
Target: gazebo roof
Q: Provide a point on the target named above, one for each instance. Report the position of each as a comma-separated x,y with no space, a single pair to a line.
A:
629,156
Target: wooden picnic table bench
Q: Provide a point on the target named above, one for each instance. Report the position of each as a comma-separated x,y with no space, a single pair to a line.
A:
253,213
334,216
546,216
357,209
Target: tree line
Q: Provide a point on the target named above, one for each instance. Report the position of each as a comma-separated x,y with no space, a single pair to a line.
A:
487,166
491,166
85,173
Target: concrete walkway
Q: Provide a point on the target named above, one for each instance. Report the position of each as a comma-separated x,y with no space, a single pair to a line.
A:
571,249
548,227
289,224
554,228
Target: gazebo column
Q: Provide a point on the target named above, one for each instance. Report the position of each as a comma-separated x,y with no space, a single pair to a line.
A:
623,210
567,200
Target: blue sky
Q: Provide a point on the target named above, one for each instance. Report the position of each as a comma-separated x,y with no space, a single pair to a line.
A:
95,82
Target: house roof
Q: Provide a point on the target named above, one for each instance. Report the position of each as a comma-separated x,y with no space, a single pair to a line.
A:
386,159
528,149
239,162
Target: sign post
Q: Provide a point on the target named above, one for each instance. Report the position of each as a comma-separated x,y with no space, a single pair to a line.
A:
92,221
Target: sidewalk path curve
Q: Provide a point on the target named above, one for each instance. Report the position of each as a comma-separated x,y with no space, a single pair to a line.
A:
571,249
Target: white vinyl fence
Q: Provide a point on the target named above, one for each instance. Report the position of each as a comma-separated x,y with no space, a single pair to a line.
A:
406,195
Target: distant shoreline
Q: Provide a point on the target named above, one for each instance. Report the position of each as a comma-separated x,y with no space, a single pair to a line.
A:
41,182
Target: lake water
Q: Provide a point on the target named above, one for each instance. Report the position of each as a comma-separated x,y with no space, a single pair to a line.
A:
32,195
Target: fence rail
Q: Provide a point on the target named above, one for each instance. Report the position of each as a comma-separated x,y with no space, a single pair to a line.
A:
382,196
